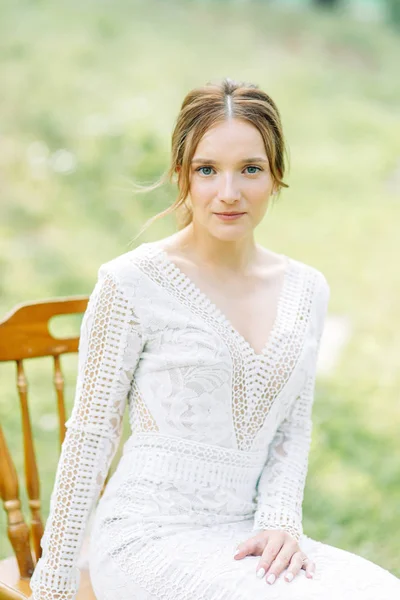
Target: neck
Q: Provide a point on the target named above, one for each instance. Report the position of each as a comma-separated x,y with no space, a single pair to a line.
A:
237,255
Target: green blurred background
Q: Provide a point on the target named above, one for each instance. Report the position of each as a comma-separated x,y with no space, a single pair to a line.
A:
90,92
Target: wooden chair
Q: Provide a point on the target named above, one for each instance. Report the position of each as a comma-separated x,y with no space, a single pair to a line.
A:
24,334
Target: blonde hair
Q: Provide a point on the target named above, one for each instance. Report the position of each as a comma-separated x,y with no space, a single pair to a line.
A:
204,107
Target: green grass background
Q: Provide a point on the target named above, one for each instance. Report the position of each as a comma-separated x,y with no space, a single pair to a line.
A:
104,81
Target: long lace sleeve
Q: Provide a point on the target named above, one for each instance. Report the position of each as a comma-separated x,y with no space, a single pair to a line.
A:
111,341
282,481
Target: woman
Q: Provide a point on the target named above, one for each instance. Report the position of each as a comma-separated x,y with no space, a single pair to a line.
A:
213,341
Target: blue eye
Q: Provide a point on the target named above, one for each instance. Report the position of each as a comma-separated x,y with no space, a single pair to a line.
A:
249,167
199,169
252,167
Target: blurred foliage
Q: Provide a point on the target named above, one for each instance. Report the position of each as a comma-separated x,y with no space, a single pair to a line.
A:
394,11
90,92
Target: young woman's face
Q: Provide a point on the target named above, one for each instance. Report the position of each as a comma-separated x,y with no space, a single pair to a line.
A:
230,173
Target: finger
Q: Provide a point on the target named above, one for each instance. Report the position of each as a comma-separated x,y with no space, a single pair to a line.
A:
279,564
251,546
309,568
295,566
271,550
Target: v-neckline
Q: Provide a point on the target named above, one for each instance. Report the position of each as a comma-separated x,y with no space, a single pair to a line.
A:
216,313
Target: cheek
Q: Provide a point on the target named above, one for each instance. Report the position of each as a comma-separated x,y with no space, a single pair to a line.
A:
202,183
202,190
261,187
257,194
258,202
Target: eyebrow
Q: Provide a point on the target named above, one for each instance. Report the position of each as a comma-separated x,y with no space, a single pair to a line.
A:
244,160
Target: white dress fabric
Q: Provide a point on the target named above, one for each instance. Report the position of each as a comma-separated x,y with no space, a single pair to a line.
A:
218,450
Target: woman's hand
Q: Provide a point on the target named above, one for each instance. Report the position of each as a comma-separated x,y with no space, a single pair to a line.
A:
278,550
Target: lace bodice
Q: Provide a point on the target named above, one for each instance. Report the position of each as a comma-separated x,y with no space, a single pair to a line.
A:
194,386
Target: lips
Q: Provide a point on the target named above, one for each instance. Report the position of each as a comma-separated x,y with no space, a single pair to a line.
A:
232,213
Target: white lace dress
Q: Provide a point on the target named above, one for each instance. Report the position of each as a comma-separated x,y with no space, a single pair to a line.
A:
219,445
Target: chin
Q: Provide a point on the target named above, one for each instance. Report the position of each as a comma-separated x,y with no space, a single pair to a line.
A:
232,235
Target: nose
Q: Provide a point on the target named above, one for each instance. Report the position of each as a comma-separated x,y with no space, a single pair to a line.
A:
228,191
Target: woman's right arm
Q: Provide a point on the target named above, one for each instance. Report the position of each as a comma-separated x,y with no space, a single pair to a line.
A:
111,341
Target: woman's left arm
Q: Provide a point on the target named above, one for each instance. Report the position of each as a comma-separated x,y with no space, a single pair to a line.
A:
282,481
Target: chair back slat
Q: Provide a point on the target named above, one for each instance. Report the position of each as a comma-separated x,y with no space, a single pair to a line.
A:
30,463
59,387
24,333
17,529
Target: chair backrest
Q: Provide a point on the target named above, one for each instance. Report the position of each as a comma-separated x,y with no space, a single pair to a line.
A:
24,334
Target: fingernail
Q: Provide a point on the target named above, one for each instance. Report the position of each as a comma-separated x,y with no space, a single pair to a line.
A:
237,552
311,574
289,576
271,578
261,572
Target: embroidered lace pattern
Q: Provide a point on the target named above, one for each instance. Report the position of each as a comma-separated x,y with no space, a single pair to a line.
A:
258,379
206,411
110,343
